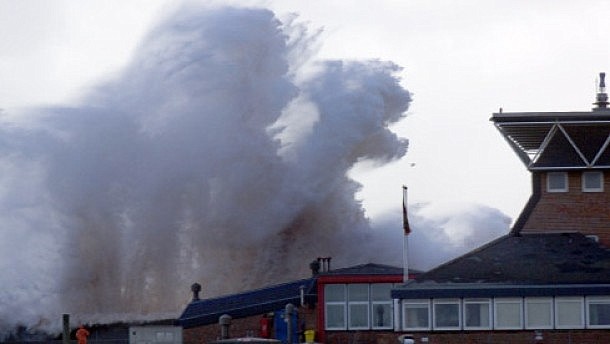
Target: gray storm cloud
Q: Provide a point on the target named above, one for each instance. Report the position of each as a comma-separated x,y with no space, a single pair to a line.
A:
220,155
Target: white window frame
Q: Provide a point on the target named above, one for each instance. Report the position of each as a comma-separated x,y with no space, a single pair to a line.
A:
600,188
479,302
529,302
456,302
574,300
501,301
359,303
557,174
418,302
336,303
375,303
591,300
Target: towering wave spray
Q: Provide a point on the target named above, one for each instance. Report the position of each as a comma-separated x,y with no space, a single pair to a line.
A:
220,155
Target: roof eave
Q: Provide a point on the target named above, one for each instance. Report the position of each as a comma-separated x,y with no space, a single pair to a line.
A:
454,290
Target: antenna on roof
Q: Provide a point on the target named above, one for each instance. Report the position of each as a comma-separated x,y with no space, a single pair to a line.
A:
602,96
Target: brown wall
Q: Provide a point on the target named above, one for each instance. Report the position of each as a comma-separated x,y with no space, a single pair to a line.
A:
243,327
361,337
586,212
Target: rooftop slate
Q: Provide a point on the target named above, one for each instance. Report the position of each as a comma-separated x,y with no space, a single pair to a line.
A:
545,258
542,264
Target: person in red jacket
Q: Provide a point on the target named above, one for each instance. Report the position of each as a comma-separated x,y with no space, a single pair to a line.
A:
82,334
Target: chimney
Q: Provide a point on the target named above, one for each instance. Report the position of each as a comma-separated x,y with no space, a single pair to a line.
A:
324,263
315,267
196,289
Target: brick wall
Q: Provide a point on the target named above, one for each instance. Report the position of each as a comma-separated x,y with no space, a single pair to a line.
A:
586,212
361,337
509,337
243,327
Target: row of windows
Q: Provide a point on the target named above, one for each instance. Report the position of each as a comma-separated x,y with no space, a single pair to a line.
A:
358,306
506,313
592,181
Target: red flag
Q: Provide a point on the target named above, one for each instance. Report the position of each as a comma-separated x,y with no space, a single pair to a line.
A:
405,219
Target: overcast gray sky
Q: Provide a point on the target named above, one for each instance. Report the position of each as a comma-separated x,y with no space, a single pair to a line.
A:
462,61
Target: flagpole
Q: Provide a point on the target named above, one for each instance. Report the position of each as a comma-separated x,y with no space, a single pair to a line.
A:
407,230
405,258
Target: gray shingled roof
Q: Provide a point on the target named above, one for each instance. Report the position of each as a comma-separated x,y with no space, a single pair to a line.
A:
550,260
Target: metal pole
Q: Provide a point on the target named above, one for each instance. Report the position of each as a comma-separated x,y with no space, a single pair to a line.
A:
288,318
405,258
407,231
66,328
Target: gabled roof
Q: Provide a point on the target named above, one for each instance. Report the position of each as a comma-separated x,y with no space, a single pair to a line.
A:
558,140
259,301
544,260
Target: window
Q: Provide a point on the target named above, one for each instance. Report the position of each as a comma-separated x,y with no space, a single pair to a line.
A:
416,314
334,295
557,182
539,313
358,306
592,181
381,304
164,337
508,314
446,314
477,314
598,312
569,312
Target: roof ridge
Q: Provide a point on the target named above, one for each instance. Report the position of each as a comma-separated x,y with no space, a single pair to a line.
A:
252,291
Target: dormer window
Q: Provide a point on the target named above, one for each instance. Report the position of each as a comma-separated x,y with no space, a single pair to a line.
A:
592,181
557,182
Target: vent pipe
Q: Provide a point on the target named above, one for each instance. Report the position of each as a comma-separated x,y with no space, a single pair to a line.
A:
302,295
196,289
289,310
602,96
66,328
225,322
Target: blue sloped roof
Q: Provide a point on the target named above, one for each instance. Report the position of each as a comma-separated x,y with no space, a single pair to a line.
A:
253,302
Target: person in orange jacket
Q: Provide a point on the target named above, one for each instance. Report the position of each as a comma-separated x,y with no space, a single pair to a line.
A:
82,334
